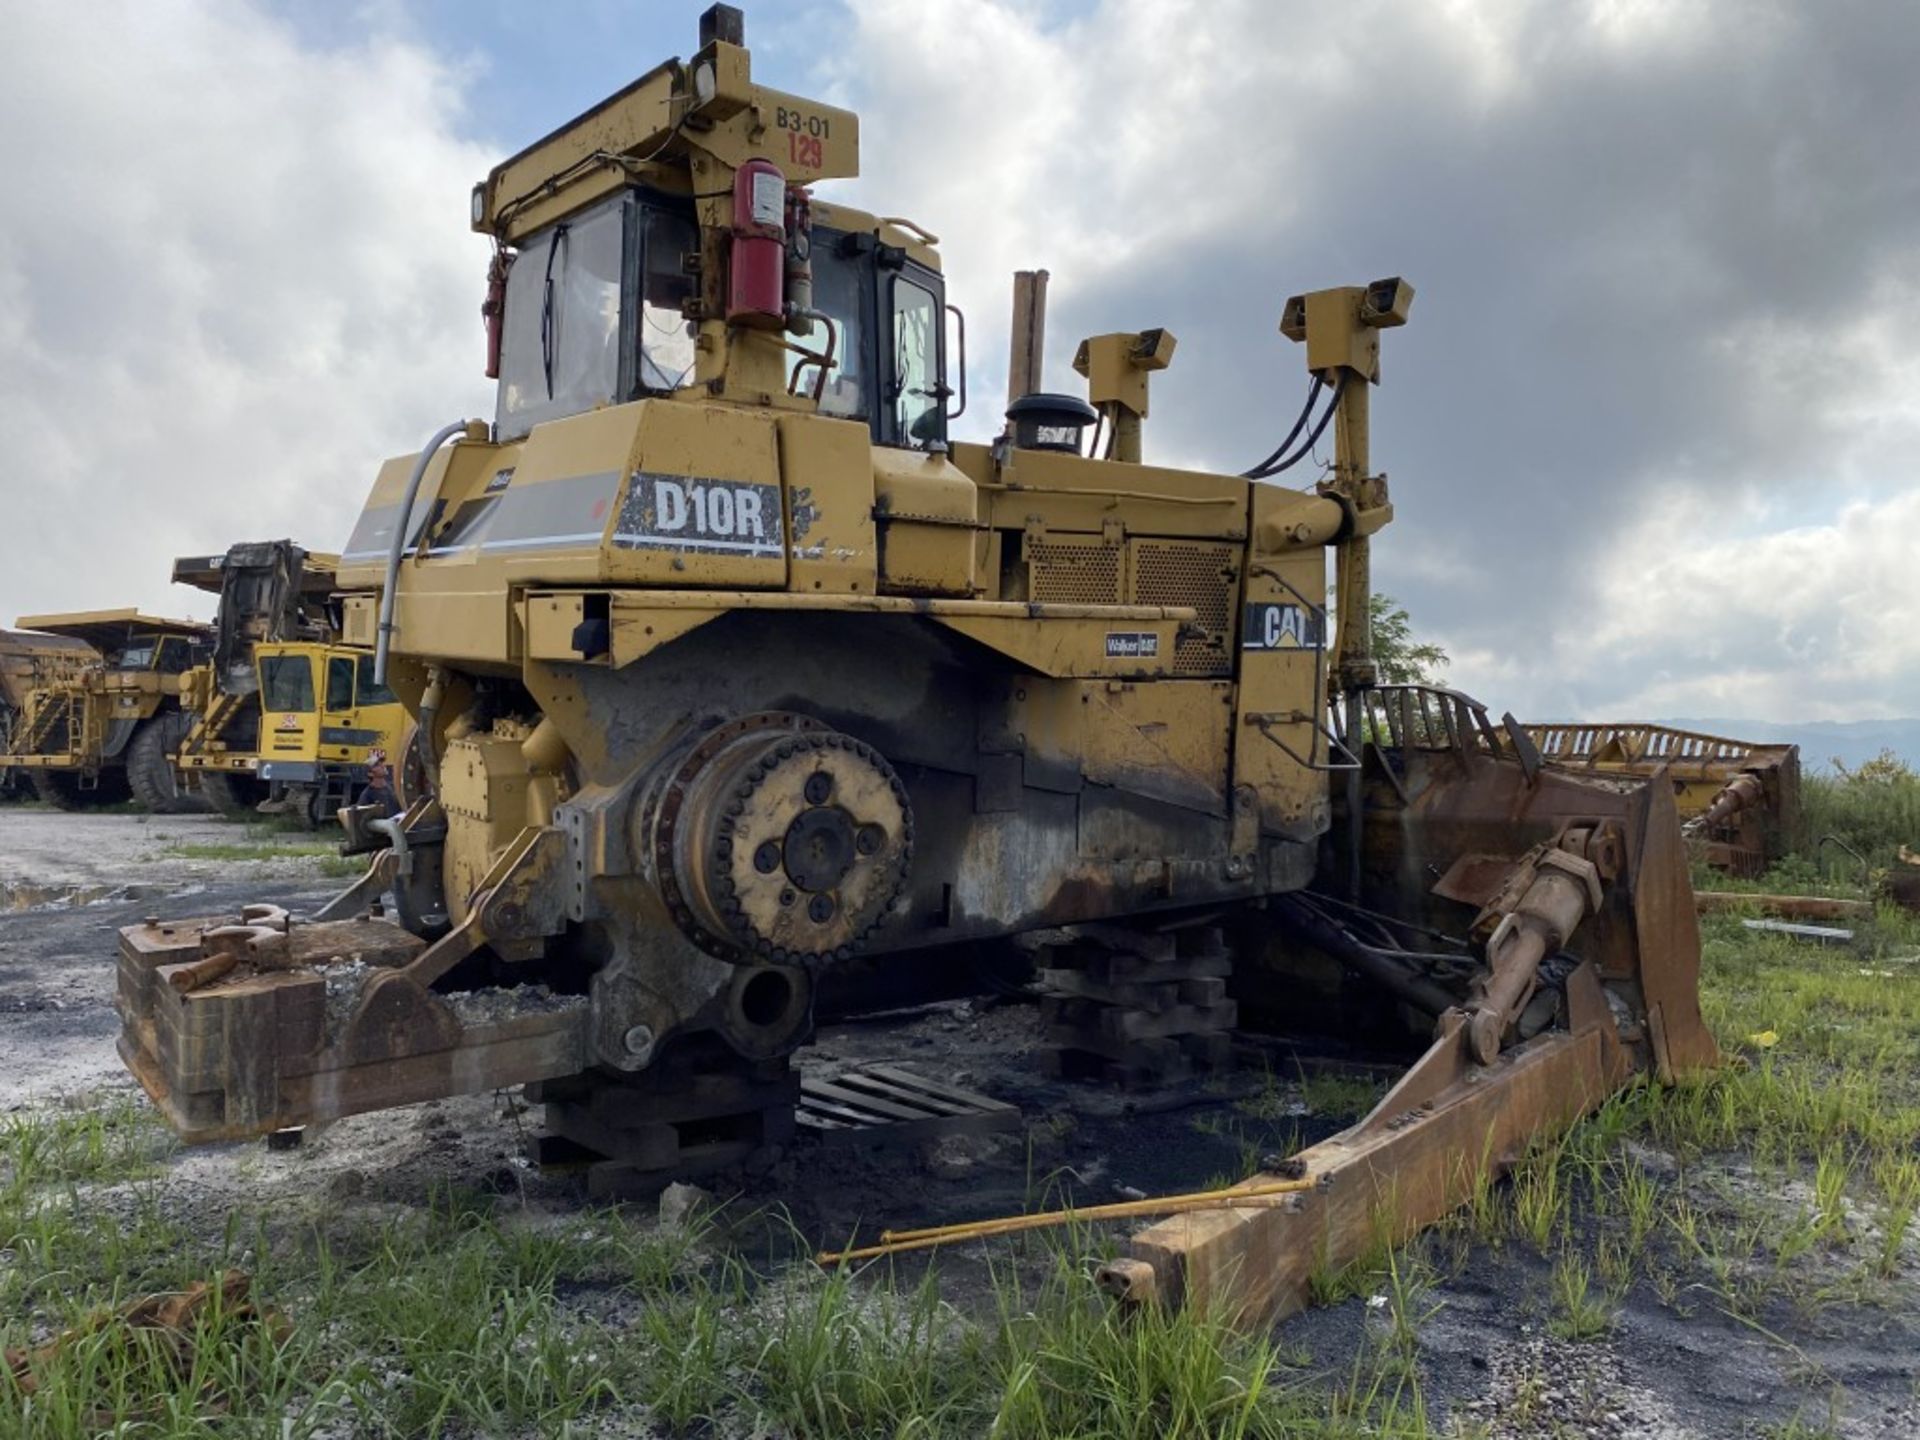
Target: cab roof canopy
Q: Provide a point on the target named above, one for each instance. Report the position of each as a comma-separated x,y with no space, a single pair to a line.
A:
678,124
113,630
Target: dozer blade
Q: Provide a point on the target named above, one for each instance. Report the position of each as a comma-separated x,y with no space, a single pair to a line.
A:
1587,939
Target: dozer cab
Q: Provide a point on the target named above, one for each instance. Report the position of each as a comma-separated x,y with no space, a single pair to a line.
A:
738,679
105,732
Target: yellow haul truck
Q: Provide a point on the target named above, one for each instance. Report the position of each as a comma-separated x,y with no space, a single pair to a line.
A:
324,717
107,734
30,662
739,679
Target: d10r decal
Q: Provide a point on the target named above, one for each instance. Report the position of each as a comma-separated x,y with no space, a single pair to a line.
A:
685,512
1271,626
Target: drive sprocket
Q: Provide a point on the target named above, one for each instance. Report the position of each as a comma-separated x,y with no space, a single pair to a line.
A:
781,839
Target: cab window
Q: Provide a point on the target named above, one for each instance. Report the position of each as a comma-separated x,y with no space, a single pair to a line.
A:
840,286
340,682
667,352
286,683
372,692
915,389
175,656
560,346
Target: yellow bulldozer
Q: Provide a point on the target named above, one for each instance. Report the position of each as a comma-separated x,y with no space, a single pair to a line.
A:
738,678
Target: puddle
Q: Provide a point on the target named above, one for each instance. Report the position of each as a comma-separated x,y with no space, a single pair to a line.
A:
22,896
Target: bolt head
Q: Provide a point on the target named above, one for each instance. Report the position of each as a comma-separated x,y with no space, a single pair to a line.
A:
819,788
639,1041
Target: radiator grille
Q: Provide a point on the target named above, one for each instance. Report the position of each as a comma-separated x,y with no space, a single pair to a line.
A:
1201,576
1064,574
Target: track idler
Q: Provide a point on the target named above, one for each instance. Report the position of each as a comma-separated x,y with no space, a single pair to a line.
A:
778,839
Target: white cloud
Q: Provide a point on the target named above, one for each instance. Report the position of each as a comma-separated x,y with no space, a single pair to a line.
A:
1649,286
235,275
1810,622
1650,430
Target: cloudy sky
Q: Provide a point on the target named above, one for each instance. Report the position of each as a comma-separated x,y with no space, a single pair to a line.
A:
1653,432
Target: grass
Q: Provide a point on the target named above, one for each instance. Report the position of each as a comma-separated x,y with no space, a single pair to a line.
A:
1778,1192
470,1318
270,840
247,850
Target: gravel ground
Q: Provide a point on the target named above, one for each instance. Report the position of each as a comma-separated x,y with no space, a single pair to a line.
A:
68,882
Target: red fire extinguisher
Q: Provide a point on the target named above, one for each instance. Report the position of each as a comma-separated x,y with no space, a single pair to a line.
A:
493,310
754,290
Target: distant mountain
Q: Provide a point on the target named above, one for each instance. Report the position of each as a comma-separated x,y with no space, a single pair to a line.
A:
1822,742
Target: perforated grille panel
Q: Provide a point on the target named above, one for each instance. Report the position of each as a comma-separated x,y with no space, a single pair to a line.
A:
1064,574
1203,576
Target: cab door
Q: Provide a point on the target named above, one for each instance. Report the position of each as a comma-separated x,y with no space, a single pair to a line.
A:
360,715
289,714
340,737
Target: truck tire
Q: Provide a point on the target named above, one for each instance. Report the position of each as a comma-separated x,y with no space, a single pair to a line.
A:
57,787
61,789
234,796
150,771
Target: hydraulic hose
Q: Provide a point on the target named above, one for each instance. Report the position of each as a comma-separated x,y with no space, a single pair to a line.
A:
1254,472
1274,467
402,523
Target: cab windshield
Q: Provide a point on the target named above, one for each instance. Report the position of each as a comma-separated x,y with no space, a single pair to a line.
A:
371,691
286,683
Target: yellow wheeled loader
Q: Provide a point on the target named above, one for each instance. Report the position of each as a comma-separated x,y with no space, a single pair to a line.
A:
324,720
271,591
736,677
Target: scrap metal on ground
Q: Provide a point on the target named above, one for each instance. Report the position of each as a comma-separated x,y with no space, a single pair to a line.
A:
743,686
169,1327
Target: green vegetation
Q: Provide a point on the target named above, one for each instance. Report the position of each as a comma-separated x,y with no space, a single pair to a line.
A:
273,838
244,850
1402,659
1777,1194
1874,808
257,849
